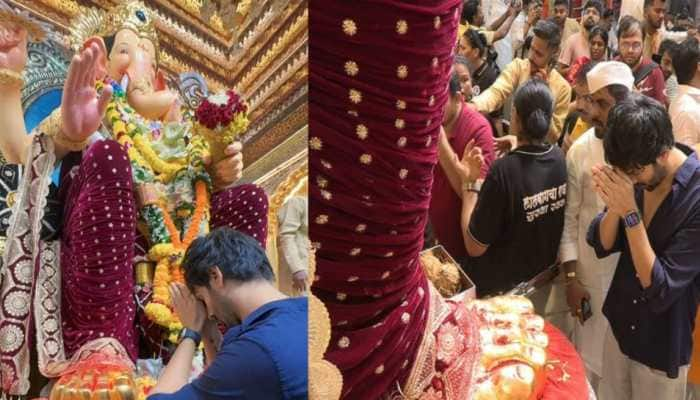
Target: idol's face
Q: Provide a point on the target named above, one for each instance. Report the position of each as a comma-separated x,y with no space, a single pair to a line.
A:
128,50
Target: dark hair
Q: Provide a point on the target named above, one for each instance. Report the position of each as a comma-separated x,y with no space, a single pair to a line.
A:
454,85
608,13
471,7
533,104
561,2
595,4
648,3
476,40
461,60
237,255
618,92
629,24
667,45
639,130
685,60
548,31
598,31
585,69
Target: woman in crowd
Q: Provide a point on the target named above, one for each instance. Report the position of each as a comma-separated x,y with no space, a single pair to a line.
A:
598,45
522,198
482,66
460,125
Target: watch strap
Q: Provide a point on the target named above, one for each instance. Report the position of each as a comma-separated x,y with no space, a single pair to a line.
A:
632,219
189,333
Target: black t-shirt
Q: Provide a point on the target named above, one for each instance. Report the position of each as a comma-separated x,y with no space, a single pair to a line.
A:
520,215
484,77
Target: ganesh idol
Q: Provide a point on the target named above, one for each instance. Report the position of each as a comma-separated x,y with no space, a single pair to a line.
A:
141,177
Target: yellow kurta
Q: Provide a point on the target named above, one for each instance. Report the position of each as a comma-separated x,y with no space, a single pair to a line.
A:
513,76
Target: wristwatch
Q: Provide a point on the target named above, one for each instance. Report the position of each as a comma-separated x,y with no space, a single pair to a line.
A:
473,186
190,334
632,219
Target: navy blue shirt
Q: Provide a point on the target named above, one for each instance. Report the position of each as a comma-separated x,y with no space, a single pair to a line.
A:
263,358
654,326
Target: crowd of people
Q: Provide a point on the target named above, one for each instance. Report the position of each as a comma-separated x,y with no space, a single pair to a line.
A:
572,140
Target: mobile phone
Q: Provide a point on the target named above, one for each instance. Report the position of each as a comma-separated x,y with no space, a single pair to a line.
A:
586,311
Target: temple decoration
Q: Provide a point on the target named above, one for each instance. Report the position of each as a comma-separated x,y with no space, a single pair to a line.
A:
264,56
231,12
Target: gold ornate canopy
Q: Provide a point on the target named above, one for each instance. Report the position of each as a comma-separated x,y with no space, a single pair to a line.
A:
264,57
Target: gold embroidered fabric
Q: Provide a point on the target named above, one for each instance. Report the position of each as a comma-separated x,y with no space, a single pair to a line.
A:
325,379
53,127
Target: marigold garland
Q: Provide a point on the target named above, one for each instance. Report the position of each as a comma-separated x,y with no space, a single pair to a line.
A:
149,167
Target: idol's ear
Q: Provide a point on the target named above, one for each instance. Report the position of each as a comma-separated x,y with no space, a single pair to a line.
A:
159,82
101,59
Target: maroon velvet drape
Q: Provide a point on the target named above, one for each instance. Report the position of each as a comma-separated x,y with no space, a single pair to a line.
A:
377,89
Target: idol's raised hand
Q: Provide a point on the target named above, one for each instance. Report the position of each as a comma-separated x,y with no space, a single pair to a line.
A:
82,108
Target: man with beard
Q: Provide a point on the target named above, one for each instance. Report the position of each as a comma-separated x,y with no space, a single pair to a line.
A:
230,282
685,109
648,77
665,61
654,28
577,45
568,26
586,276
652,218
539,64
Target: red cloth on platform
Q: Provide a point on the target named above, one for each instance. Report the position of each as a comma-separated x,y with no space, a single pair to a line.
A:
563,356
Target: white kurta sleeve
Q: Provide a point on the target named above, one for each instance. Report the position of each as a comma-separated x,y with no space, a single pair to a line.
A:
568,247
291,216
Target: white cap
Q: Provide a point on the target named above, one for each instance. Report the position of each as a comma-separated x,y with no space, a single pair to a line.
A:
609,73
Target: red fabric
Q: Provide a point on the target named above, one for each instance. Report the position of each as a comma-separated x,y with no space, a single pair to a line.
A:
98,243
567,378
654,85
369,221
97,249
445,205
573,70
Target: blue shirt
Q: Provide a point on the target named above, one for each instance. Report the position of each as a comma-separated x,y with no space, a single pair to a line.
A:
263,358
654,326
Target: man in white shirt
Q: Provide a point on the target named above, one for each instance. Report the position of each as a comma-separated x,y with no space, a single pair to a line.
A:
685,108
588,277
294,243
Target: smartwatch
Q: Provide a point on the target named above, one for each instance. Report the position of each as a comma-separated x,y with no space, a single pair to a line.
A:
188,333
632,219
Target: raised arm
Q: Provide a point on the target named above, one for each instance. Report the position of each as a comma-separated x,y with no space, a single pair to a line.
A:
81,108
13,58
